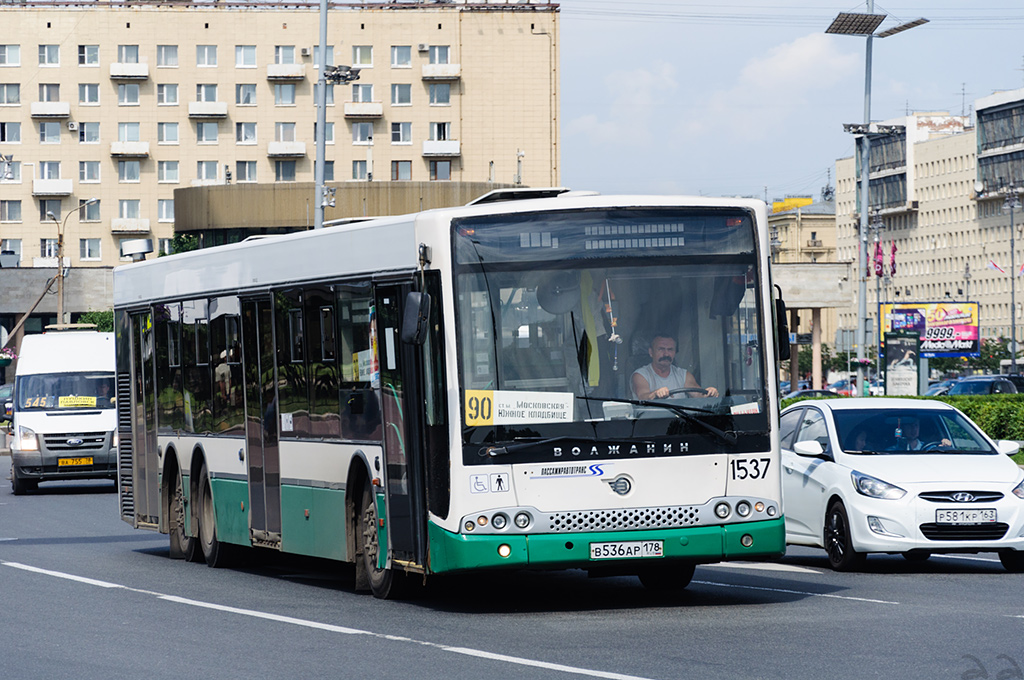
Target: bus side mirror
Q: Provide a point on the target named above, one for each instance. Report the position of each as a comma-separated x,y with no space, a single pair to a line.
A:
782,328
415,318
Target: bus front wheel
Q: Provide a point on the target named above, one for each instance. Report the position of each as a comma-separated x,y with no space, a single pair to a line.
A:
384,583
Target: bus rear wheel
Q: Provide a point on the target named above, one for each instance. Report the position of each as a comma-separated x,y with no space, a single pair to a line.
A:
217,554
182,545
385,584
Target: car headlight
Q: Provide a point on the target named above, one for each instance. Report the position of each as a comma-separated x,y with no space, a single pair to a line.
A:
27,440
867,485
1018,490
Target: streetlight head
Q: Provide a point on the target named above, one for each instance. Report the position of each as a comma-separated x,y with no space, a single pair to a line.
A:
902,27
49,213
849,23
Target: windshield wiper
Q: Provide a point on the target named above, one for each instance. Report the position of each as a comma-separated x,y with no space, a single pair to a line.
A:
678,409
493,451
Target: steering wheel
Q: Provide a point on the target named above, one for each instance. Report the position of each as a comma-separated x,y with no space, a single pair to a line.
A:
931,446
688,390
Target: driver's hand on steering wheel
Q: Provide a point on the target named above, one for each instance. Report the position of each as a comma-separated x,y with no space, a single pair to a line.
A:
711,391
660,393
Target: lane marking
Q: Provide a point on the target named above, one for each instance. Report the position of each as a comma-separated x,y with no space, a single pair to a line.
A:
965,557
465,651
794,592
762,566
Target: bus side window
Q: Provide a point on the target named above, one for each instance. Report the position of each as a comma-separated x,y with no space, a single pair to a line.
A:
360,412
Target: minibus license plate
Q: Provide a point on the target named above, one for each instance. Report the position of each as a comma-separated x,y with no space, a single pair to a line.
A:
626,549
66,462
973,516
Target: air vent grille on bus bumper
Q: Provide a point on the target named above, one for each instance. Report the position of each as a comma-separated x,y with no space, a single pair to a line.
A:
625,519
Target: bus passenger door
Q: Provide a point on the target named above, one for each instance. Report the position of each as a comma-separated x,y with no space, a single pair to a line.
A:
402,403
145,468
261,423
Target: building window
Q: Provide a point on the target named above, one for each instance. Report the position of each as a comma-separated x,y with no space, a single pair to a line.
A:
48,247
49,207
439,54
10,55
401,56
10,94
440,132
88,212
245,94
362,133
206,170
49,92
10,211
49,55
128,209
362,56
284,54
167,171
401,170
127,54
167,95
245,133
358,169
440,170
316,56
206,55
245,171
284,94
89,249
362,92
88,171
328,171
128,94
88,133
13,168
10,133
165,210
401,94
88,55
284,171
206,132
167,133
206,92
127,171
284,132
329,94
49,170
166,55
89,94
10,245
440,94
164,246
245,56
128,132
401,133
49,132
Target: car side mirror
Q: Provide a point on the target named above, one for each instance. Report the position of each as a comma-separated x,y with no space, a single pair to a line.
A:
809,448
1007,447
9,410
416,318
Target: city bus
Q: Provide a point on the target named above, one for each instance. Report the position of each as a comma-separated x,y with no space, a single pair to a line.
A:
452,391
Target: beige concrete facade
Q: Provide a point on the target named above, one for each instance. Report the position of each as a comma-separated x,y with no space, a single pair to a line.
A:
129,103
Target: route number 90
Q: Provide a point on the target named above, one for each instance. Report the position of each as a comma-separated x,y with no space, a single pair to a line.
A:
479,407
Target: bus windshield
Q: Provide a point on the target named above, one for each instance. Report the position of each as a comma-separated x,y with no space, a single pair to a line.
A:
64,391
560,313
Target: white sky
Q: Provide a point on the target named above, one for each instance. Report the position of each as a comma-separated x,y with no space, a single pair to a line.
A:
748,98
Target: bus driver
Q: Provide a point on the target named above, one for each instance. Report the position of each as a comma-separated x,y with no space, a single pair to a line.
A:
658,379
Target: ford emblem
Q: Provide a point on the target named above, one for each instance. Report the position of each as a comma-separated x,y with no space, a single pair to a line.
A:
963,497
75,442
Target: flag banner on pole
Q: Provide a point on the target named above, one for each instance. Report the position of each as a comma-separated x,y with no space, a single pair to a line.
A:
993,265
1020,272
892,260
879,259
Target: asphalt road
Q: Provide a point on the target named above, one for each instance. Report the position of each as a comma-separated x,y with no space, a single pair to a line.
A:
83,595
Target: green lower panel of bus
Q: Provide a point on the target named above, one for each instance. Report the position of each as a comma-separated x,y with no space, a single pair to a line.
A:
458,552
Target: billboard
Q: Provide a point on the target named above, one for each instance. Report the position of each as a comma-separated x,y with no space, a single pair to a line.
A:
947,329
901,365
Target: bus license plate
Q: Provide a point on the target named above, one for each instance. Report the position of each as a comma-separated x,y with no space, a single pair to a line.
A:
626,549
65,462
978,516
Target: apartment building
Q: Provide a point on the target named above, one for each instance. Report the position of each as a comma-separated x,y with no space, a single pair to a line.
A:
105,111
938,190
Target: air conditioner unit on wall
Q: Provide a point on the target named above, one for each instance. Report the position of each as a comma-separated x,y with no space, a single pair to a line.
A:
72,125
305,51
423,47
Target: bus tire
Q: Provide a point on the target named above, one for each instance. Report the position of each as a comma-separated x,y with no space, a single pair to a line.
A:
215,553
182,545
386,584
667,578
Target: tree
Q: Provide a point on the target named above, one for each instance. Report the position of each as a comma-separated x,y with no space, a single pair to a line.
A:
182,243
992,352
104,320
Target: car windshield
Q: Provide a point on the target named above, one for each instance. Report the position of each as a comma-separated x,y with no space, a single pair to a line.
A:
64,391
907,431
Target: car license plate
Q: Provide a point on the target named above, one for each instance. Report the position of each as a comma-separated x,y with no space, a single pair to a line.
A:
66,462
973,516
626,549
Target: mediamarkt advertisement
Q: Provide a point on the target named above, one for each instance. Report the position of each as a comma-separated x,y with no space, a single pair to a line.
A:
948,329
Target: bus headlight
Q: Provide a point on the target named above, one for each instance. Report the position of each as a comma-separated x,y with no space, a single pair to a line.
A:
27,440
722,510
499,521
522,520
743,509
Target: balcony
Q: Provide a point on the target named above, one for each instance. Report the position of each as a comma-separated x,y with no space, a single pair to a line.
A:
442,71
206,182
815,243
129,225
286,149
51,109
52,187
129,71
364,109
441,147
207,109
286,71
129,149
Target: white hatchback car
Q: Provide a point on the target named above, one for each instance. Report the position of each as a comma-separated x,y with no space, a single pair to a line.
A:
898,476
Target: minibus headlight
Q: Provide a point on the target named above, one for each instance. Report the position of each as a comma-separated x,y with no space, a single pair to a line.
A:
27,440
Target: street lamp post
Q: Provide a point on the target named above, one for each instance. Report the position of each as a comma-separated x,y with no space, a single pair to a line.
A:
60,255
847,23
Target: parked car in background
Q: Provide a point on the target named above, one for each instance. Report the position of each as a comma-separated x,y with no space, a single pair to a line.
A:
941,387
983,384
914,477
876,388
844,387
801,385
1017,380
799,394
6,395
